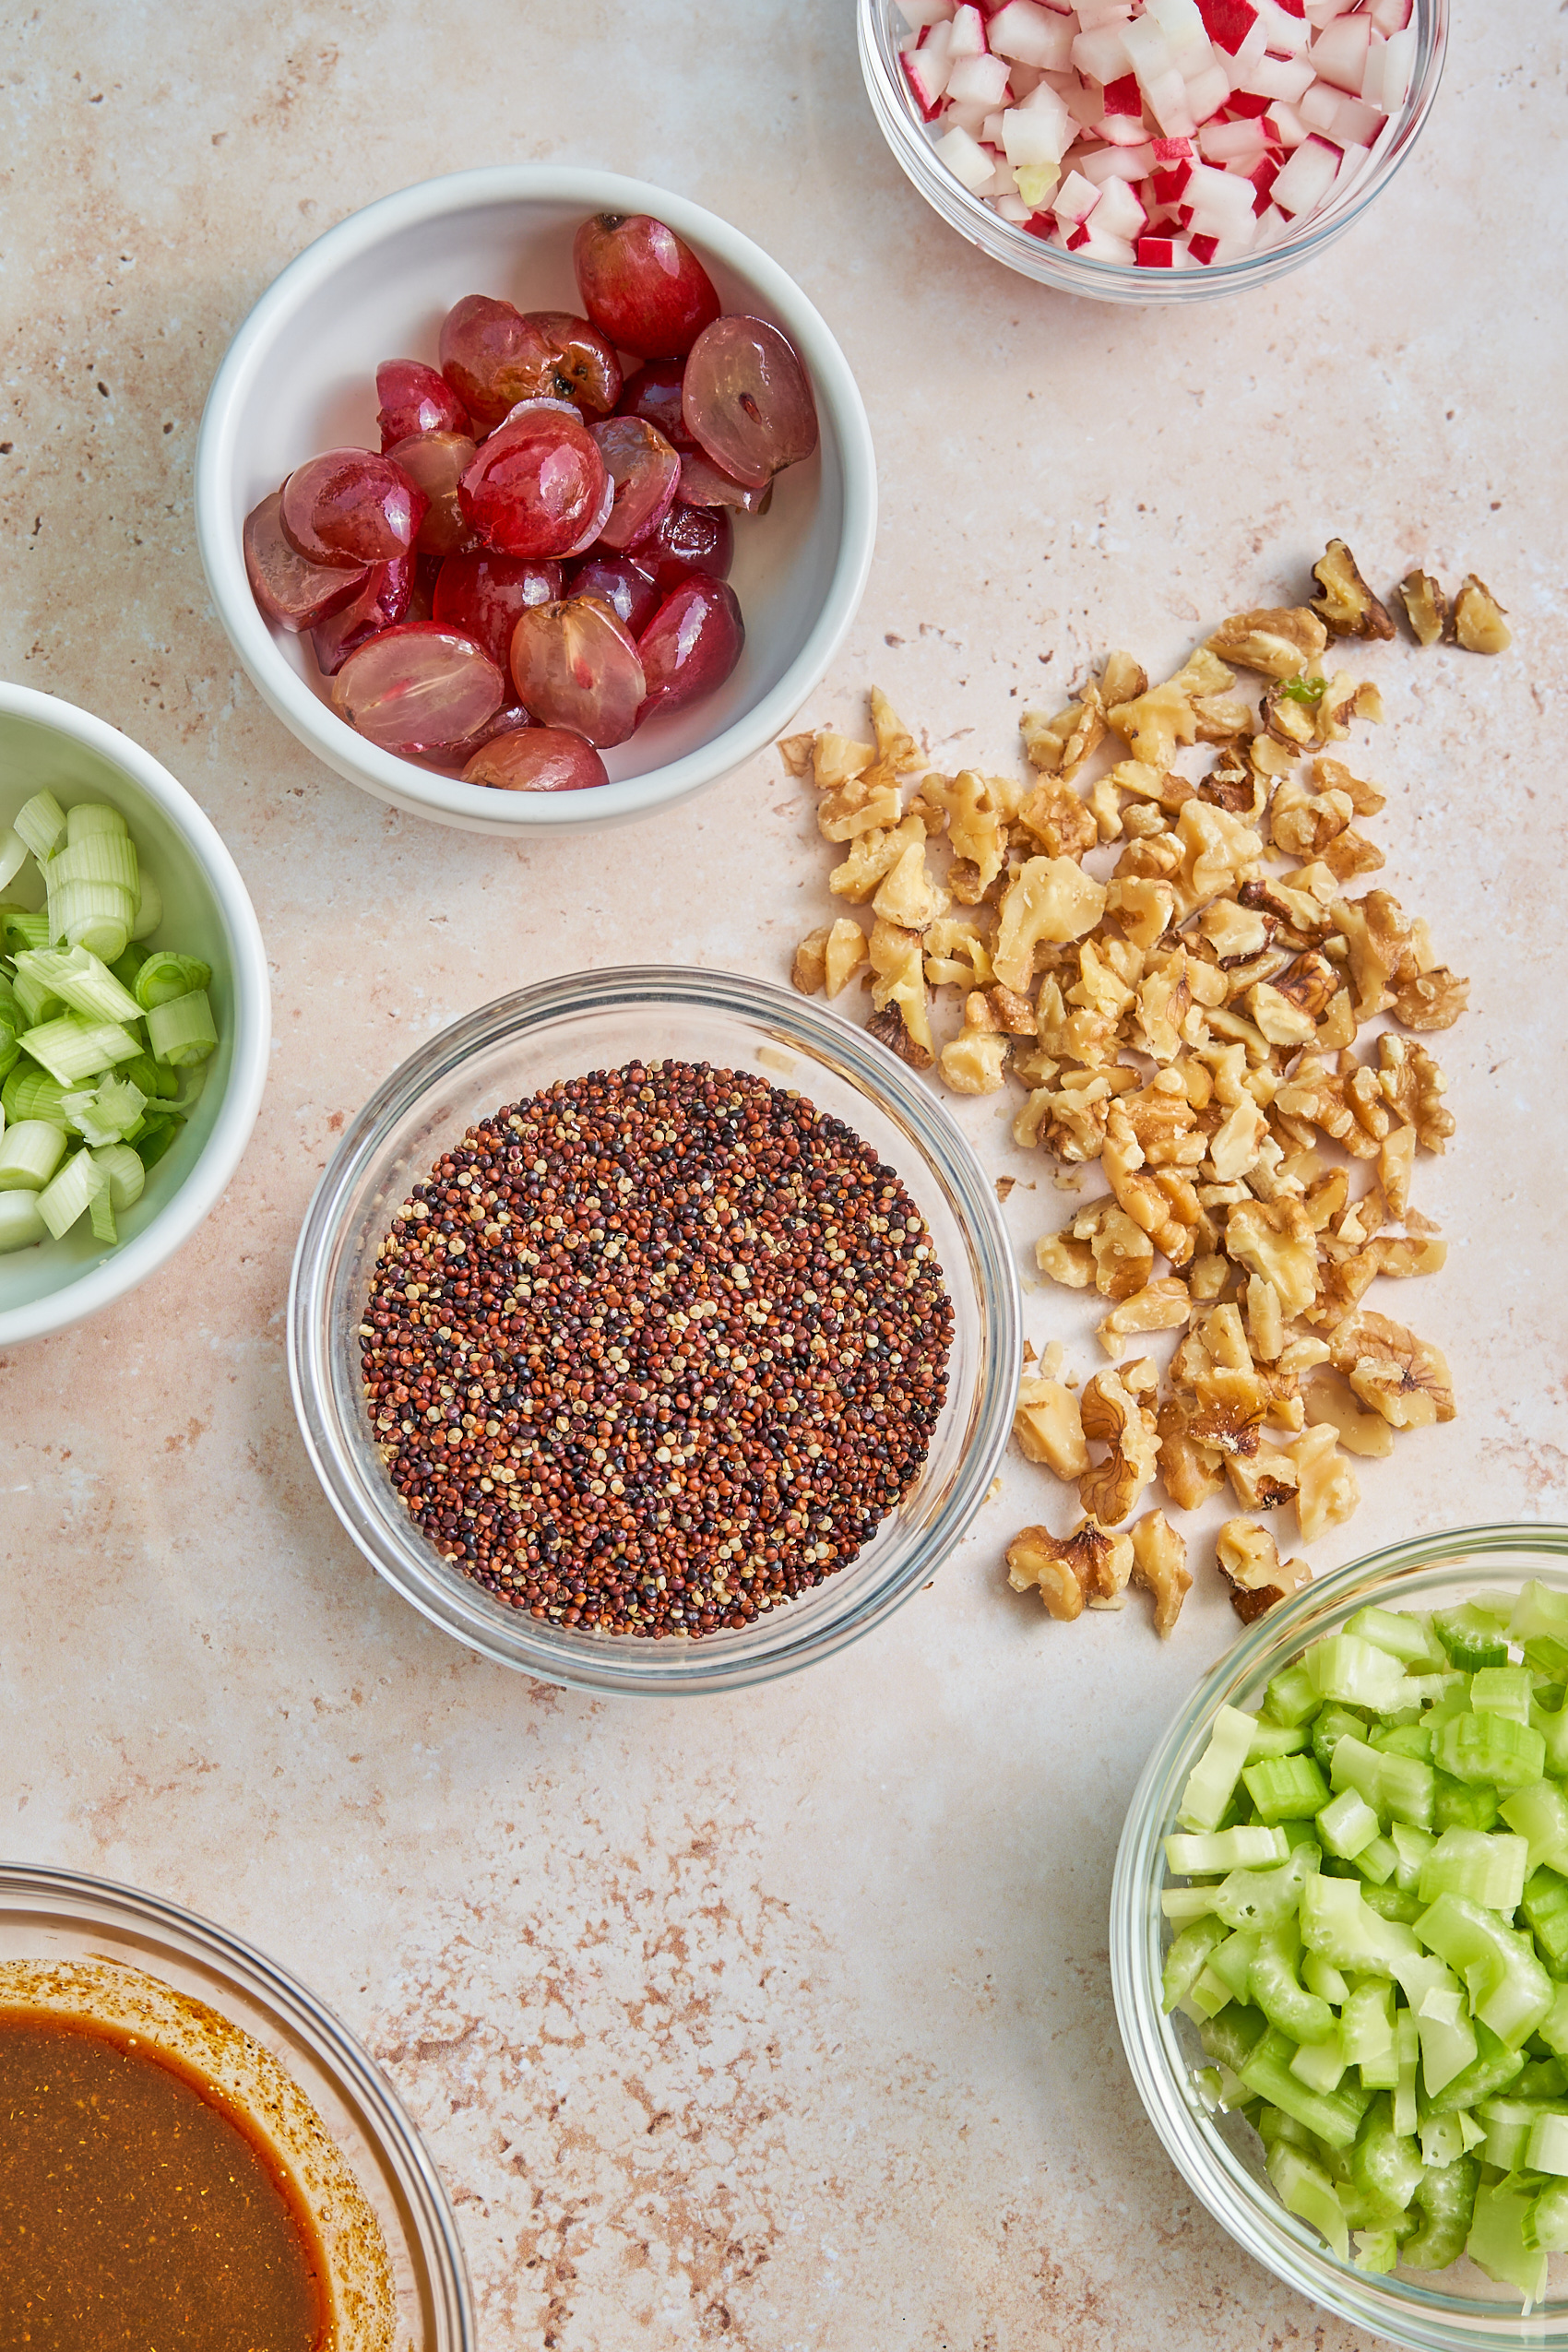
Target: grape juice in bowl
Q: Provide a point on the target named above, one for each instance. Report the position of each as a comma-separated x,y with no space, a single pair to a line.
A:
300,384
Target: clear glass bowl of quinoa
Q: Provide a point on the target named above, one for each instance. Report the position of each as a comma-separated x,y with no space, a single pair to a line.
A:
737,1487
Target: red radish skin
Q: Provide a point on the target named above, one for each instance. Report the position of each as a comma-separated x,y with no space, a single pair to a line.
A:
541,759
418,688
642,285
293,592
414,399
349,507
484,594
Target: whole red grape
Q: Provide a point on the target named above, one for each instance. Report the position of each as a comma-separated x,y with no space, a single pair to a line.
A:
293,592
418,688
653,392
482,594
537,483
642,285
691,645
415,399
541,759
575,666
493,355
747,401
349,507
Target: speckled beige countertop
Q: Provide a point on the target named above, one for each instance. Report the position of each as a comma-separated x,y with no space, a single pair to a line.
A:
781,2022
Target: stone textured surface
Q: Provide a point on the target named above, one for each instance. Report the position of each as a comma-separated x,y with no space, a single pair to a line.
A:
784,2021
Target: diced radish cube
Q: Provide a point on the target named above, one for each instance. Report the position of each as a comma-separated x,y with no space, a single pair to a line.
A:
1339,53
1287,78
1289,127
1371,92
1262,176
1130,163
1037,133
965,118
979,81
1208,92
1202,247
1228,22
1391,16
968,161
1246,104
1119,213
1162,84
1092,13
1287,30
1354,123
1032,35
1169,182
1306,179
1123,96
1075,199
1013,208
1232,142
1398,69
991,131
917,13
1157,253
1101,54
1221,202
968,33
927,77
1323,12
1172,150
1084,101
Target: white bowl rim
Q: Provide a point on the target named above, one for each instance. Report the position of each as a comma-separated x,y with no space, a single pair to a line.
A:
113,1276
399,781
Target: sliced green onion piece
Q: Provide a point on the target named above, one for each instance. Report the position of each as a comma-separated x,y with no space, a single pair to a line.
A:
19,929
30,1150
61,1202
40,823
91,914
13,855
125,968
182,1032
92,817
150,909
123,1172
101,1213
30,1093
35,1000
10,1050
102,861
104,1114
165,976
72,1048
155,1138
21,1224
82,981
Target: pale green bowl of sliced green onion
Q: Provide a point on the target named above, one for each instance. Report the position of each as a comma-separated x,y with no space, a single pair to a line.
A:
134,1015
1339,1940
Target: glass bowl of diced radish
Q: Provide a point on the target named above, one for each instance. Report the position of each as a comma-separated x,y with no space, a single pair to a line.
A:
135,1015
1151,150
1340,1939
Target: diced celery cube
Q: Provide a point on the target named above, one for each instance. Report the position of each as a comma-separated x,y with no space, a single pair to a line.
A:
1305,2189
1187,1955
1277,1739
1553,2028
1332,1726
1442,2139
1291,1696
1540,1608
1485,1870
1356,1672
1225,1849
1503,1689
1366,2026
1212,1781
1509,1989
1346,1824
1376,1862
1456,1806
1411,1845
1320,2064
1285,1787
1397,1787
1494,2068
1404,1636
1544,1907
1320,1976
1405,1740
1471,1638
1496,2242
1490,1749
1547,2149
1231,1962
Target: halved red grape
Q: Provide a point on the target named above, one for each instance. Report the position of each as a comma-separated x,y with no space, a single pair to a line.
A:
690,539
589,534
653,391
293,592
436,463
619,581
418,688
350,507
536,483
646,472
574,665
691,645
642,285
482,595
747,401
493,355
542,759
415,399
382,602
704,484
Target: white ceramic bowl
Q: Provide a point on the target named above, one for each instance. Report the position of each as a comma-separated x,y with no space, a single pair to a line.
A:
299,377
206,910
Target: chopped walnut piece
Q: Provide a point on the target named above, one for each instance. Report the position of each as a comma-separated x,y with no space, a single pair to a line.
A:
1122,679
795,751
1281,1022
1266,1320
844,951
978,810
1089,1565
1477,620
1154,722
908,896
1050,899
1190,1470
1049,1428
1066,1259
1159,1567
975,1062
1396,1166
1414,1085
955,956
1426,607
1062,824
1351,854
1400,1376
1160,1305
1303,824
1010,1012
1218,851
1248,1559
1275,1240
1347,607
1112,1417
1332,776
889,1031
1279,643
1330,1402
866,803
899,980
1431,1000
1122,1253
835,759
1263,1481
1327,1490
1060,744
895,747
1378,940
871,858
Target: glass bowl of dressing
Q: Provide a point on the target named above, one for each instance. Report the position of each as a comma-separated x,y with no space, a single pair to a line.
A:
240,2124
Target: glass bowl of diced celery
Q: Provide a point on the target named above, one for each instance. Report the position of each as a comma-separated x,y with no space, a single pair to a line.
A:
1340,1939
134,1015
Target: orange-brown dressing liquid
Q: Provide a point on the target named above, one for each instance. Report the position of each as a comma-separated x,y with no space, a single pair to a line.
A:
138,2212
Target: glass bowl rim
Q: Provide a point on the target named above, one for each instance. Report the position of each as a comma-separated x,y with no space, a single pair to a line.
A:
658,1669
1387,2305
1123,281
114,1904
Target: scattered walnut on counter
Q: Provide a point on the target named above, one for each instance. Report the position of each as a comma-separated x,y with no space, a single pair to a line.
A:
1164,940
1248,1559
1426,607
1476,621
